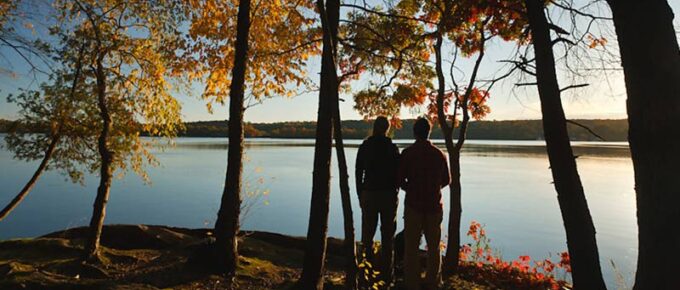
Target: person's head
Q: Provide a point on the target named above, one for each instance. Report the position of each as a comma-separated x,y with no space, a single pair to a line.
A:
380,126
421,129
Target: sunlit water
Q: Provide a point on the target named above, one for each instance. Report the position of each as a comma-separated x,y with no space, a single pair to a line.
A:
506,186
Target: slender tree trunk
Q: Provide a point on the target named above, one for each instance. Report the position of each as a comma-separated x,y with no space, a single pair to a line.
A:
450,264
106,167
451,258
29,185
651,64
578,224
227,225
347,214
54,140
315,254
347,217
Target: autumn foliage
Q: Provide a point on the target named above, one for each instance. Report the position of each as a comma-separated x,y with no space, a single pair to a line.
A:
480,263
477,104
283,37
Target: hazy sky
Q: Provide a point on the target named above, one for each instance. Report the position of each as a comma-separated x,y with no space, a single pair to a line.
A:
604,98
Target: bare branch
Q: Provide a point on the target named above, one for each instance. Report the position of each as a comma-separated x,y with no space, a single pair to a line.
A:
18,49
557,29
573,87
587,129
562,39
578,11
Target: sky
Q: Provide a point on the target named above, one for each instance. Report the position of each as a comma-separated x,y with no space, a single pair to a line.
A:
603,99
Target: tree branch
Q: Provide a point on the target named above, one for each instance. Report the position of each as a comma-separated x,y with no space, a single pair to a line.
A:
388,15
573,87
561,39
587,129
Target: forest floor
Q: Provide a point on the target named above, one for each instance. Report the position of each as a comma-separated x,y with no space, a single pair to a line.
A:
158,257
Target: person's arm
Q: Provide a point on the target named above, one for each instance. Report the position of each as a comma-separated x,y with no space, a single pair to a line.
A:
446,173
359,170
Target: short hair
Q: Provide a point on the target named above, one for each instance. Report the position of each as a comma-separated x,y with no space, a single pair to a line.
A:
380,125
421,128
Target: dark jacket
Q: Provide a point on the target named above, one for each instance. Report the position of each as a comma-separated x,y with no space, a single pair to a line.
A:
423,171
376,165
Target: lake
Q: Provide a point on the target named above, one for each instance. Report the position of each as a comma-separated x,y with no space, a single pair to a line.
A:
506,187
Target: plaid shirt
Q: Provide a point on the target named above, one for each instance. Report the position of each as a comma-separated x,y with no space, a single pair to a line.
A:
422,173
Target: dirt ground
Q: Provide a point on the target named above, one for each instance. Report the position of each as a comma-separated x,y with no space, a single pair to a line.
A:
159,257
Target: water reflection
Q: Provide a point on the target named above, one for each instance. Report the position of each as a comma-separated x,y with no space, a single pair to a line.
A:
507,186
472,147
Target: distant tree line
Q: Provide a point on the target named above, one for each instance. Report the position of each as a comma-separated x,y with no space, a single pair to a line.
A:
609,130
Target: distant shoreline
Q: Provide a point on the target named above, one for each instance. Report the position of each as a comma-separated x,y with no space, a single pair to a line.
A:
609,129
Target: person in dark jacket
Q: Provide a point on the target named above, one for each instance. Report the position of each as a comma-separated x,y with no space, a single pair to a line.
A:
376,170
423,172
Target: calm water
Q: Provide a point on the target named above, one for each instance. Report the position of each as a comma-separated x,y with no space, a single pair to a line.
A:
506,186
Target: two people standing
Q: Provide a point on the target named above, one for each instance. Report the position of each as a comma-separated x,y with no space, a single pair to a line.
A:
421,170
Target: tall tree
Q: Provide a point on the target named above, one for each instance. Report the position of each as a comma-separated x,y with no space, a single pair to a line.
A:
227,224
130,44
578,223
469,25
315,253
346,200
265,57
347,215
651,64
105,153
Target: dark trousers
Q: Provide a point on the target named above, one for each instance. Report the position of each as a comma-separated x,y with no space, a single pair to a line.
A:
380,204
417,223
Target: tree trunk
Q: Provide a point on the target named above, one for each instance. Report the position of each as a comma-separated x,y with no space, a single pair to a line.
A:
578,224
451,258
315,253
450,264
55,139
651,64
227,224
29,185
106,167
348,219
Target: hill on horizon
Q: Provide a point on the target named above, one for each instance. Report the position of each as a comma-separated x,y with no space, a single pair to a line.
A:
609,129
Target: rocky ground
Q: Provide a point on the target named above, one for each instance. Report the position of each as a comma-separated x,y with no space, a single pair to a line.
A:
158,257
